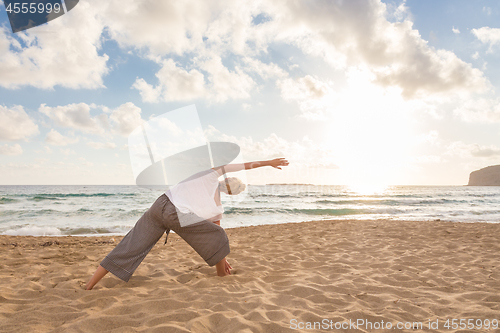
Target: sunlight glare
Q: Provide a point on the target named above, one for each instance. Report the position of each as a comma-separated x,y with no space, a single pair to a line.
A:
370,133
367,190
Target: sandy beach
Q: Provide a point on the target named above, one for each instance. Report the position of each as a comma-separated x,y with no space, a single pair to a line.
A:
285,277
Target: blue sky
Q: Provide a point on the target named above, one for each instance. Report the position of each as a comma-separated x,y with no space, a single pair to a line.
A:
357,92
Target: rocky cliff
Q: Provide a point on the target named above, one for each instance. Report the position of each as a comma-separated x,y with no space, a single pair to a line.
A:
485,176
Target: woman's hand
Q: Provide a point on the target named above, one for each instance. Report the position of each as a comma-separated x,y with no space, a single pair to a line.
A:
277,162
228,267
223,268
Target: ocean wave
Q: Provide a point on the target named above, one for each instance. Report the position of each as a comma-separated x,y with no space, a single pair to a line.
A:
8,212
314,211
447,201
58,196
357,202
100,230
31,230
423,202
34,230
46,213
409,196
85,212
270,195
236,210
262,210
86,231
129,213
482,195
389,202
486,212
5,200
103,210
327,211
42,197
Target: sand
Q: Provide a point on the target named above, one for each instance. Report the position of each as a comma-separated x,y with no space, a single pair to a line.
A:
285,276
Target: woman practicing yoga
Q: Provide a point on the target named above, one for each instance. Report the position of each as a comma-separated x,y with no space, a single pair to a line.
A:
192,209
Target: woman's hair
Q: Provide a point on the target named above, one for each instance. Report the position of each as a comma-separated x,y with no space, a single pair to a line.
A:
235,185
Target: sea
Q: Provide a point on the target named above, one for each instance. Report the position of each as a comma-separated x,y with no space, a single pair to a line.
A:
58,210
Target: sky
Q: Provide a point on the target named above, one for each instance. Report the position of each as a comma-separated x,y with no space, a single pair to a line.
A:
350,92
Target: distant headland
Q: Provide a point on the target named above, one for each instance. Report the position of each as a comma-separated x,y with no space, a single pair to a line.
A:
489,176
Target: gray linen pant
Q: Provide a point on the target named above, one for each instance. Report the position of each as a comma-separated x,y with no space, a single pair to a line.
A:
206,238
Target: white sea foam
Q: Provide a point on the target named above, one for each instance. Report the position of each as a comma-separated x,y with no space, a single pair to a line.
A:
33,231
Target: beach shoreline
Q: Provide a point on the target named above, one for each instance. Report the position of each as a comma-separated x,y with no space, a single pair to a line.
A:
285,275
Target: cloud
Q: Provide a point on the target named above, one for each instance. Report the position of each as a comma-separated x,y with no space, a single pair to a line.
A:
432,137
102,145
225,84
85,162
170,127
121,120
488,35
455,30
307,87
67,152
126,118
16,124
45,150
265,71
158,26
479,110
455,148
210,32
57,139
148,93
224,42
344,33
11,150
207,31
179,84
176,84
76,116
190,26
357,33
464,150
302,153
64,52
401,12
312,94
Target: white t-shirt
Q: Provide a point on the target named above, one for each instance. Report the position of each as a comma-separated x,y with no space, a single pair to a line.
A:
195,195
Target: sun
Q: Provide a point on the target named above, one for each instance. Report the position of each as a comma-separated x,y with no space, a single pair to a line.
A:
371,134
367,189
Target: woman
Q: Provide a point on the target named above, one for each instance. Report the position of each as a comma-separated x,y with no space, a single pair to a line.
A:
193,210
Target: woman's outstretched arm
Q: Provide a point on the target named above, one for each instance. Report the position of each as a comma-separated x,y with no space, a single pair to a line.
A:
275,163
